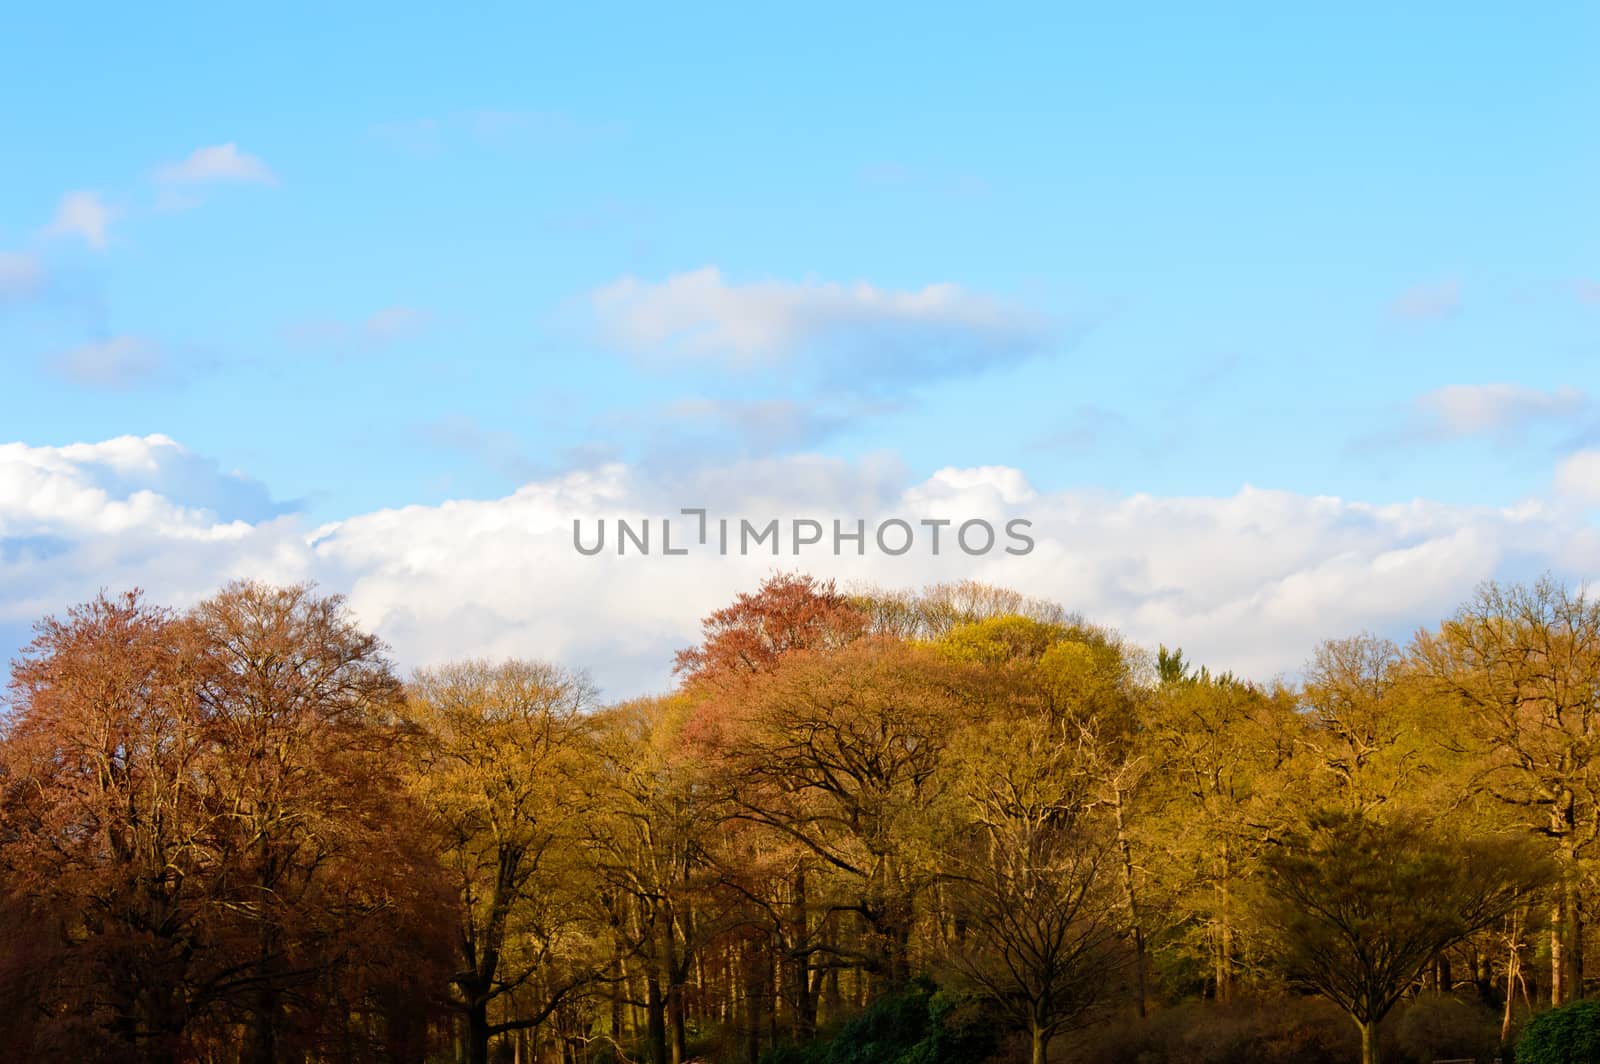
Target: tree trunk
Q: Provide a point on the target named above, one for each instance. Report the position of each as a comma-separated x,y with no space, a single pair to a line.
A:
1041,1045
755,994
805,1002
1564,931
1513,964
263,1048
1558,960
675,1022
478,1031
1225,932
655,1016
832,996
899,952
1369,1042
618,975
673,1004
1574,913
1125,852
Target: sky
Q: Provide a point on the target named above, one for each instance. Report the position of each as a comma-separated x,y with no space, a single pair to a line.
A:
1277,325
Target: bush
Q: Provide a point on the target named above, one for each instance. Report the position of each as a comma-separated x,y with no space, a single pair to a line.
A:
1435,1027
1567,1035
924,1025
1281,1031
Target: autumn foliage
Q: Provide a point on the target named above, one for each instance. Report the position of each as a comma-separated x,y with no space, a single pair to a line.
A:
941,825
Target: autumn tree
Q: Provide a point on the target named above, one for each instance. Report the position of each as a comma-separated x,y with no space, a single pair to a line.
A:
1222,754
311,818
646,842
1077,683
499,770
103,837
840,753
1038,907
203,809
939,609
1359,904
1521,666
1367,721
789,612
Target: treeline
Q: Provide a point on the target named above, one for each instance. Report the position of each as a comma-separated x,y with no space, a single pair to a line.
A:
953,825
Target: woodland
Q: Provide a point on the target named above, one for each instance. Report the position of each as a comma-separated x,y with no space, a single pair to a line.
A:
957,824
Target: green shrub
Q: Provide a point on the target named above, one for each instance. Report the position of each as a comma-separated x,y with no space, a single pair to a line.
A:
924,1025
1567,1035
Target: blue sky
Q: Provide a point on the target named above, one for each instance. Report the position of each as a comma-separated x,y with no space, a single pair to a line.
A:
390,257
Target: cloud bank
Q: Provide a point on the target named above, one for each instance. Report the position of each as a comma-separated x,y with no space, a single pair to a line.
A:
1249,582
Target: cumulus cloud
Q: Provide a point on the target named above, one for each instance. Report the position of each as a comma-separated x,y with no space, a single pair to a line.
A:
1481,409
217,162
119,363
101,477
83,215
1425,302
388,325
857,331
1249,581
1578,476
124,512
20,276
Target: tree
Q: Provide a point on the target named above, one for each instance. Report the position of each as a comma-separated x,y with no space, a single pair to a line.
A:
939,609
1359,905
499,770
789,612
312,827
202,811
647,840
1075,682
840,752
102,837
1522,666
1222,754
1362,705
1036,896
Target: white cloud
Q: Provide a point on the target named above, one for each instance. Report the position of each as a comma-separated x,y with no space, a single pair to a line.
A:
1471,410
394,323
84,215
1424,302
1578,476
116,364
120,484
1249,582
857,329
20,276
388,325
124,512
217,162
